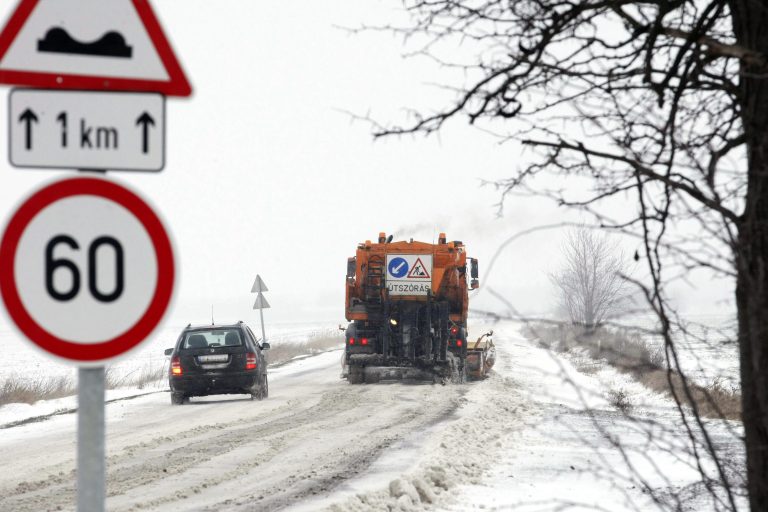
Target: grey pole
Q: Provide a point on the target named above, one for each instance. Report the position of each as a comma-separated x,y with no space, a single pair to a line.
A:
91,473
261,315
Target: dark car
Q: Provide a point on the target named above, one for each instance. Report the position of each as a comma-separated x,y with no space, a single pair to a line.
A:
215,360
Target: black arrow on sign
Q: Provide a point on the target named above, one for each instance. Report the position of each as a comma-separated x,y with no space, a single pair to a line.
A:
145,120
28,117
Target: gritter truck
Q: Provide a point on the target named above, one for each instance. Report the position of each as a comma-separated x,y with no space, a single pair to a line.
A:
406,302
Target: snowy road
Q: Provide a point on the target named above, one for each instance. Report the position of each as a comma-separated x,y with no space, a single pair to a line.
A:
536,435
222,453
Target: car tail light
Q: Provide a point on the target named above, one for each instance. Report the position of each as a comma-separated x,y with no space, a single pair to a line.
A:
250,361
364,341
176,366
459,343
351,341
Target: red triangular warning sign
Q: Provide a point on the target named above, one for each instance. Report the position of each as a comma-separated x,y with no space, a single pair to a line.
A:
418,271
89,44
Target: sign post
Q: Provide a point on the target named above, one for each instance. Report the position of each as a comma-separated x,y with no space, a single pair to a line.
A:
91,467
261,302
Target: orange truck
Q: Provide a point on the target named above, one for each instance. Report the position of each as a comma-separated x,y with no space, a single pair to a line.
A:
407,307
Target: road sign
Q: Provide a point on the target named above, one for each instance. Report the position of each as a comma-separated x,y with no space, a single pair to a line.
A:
409,274
87,130
419,271
89,44
259,285
261,302
398,267
86,269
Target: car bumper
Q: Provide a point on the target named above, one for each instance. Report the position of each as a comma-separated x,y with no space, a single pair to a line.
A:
213,384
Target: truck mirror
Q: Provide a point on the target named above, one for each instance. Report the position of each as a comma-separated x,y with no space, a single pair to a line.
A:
351,267
473,273
474,285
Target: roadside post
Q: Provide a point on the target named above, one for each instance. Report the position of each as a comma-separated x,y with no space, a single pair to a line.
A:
261,302
87,267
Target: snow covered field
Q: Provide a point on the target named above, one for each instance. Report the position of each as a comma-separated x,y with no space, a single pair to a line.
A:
536,435
24,362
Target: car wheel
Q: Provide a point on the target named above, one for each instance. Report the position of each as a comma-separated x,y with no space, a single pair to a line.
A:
260,391
178,399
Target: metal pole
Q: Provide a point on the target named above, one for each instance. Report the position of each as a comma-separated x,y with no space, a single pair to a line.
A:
261,315
91,473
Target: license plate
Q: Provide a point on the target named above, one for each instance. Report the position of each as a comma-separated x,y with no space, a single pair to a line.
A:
214,358
215,366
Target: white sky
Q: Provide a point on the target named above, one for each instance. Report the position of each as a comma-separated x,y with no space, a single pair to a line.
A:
266,175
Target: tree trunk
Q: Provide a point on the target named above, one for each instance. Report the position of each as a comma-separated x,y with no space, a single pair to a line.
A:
752,303
750,20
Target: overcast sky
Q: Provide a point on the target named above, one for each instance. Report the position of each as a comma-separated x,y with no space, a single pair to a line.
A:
267,174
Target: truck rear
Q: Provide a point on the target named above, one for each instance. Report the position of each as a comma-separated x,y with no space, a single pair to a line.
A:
407,307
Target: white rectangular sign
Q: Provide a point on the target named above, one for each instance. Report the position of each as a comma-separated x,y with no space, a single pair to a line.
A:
87,130
409,274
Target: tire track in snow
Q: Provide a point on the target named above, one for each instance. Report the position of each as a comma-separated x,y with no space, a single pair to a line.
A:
235,454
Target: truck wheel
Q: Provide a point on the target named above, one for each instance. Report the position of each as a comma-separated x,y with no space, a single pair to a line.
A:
459,373
356,375
178,399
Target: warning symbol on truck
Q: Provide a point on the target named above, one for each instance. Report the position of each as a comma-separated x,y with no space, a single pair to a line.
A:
418,271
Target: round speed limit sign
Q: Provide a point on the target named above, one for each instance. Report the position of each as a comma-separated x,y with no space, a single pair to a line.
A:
86,269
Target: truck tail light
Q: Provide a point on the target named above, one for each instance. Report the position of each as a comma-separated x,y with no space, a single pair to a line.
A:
250,361
459,343
351,341
176,366
364,341
454,329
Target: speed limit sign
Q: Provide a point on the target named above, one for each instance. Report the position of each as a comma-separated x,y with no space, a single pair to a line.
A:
86,269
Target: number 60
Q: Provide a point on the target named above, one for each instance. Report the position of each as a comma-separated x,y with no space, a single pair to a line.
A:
52,265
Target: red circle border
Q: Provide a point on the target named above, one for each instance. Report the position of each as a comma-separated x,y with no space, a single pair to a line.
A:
166,269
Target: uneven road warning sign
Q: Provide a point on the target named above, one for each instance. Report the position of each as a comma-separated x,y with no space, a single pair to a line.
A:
115,45
86,269
409,274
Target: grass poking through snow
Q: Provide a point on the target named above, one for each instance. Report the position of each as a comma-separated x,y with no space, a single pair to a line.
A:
17,390
628,352
281,353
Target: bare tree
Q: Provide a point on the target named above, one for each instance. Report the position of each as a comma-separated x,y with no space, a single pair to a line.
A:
590,284
662,102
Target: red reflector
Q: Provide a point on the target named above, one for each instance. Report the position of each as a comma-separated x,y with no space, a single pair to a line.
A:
364,341
351,341
250,361
454,330
176,366
459,343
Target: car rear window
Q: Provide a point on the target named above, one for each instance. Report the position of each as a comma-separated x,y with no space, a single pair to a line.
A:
213,338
